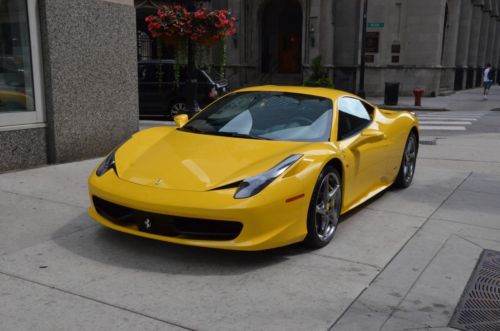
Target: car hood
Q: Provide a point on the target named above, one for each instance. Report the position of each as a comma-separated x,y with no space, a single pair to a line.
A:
173,159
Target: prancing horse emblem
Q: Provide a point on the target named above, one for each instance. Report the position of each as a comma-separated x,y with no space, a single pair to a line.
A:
158,181
147,224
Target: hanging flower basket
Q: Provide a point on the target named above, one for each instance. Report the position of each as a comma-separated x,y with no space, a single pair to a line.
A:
204,28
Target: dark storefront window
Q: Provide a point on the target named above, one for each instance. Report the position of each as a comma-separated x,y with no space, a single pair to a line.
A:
16,78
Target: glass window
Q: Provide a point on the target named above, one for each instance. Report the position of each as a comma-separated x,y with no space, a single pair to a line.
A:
267,115
16,80
354,116
20,78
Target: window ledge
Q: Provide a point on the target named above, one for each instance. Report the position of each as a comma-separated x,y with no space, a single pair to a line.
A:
22,127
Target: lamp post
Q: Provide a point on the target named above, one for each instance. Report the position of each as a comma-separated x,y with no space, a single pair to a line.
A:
361,89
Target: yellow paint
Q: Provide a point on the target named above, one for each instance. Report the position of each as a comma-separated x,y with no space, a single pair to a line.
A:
166,171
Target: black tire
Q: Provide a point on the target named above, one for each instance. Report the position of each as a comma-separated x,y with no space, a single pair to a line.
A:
408,162
322,224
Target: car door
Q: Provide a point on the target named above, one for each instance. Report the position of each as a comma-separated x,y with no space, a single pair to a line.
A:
363,147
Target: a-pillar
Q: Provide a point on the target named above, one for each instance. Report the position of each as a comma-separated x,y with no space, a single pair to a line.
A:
463,44
477,14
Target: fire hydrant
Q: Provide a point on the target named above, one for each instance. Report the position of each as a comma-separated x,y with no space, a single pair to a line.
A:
418,92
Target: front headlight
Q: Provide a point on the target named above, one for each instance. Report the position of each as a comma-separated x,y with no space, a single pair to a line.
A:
253,185
108,163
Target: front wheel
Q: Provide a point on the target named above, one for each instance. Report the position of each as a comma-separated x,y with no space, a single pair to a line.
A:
324,209
408,162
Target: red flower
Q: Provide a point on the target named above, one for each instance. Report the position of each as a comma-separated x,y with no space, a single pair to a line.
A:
203,26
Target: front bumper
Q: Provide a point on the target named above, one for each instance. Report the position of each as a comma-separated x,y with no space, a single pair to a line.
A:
268,221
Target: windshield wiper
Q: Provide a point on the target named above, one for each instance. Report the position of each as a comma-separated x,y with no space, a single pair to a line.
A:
190,129
223,133
238,135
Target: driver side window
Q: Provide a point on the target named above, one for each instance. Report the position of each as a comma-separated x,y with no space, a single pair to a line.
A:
354,116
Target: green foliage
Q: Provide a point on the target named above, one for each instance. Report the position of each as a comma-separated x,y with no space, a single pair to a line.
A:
319,76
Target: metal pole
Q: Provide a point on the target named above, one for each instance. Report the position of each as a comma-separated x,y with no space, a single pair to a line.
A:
361,90
192,106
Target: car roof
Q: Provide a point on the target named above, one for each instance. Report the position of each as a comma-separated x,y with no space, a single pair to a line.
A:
316,91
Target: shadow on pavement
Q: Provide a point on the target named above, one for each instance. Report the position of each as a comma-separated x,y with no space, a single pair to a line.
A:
111,247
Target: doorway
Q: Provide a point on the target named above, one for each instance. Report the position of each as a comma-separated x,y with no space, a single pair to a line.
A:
281,40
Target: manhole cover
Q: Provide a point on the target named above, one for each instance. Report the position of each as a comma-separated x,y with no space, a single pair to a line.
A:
479,306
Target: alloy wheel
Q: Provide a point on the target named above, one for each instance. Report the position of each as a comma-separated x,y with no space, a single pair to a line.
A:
328,207
410,158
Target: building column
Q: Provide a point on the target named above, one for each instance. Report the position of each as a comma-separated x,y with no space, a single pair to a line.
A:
477,15
483,42
326,33
491,34
496,53
313,31
90,69
449,54
462,49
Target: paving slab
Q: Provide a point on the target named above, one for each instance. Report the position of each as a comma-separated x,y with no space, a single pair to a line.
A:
66,183
470,207
27,306
26,221
433,298
492,168
376,304
420,288
376,235
482,183
196,288
430,187
472,147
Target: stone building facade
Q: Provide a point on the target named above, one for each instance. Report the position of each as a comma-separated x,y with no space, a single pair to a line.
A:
68,79
437,45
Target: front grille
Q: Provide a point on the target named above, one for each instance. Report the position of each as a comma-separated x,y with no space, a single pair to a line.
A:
167,225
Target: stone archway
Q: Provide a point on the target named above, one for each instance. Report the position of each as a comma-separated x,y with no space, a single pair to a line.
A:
281,38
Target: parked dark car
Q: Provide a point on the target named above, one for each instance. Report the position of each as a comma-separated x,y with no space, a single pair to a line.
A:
161,97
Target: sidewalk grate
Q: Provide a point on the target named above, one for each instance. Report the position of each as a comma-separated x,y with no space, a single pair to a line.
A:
479,306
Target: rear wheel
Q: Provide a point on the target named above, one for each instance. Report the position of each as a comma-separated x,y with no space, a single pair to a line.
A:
324,208
408,163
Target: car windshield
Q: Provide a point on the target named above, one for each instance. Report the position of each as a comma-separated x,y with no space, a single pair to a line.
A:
267,115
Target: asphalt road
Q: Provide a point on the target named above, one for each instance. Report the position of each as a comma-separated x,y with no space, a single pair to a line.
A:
442,124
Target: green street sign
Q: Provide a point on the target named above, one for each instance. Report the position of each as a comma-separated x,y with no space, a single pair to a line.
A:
376,25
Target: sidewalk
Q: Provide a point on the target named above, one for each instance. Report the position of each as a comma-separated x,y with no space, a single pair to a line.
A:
461,100
399,262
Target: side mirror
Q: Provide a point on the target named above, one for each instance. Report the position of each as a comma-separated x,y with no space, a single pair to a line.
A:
368,136
181,120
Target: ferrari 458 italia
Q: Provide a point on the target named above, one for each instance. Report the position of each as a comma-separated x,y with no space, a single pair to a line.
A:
259,168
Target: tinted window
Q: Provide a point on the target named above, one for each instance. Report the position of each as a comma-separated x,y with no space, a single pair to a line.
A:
267,115
354,116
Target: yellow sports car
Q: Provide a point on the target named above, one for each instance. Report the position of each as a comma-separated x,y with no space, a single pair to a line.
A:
261,167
